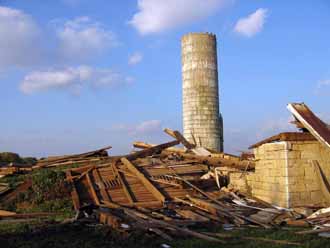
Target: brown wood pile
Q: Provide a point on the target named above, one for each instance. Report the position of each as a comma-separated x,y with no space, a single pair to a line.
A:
160,190
79,159
166,190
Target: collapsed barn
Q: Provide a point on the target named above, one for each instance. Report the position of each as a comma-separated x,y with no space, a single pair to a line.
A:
169,190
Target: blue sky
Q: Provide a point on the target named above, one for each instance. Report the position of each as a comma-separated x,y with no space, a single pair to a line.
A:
76,75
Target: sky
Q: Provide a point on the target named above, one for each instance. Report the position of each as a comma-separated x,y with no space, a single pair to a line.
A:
77,75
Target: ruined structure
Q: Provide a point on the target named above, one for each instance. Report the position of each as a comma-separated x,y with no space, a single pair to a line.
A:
202,121
291,169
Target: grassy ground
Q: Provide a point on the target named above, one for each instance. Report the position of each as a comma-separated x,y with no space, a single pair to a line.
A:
78,236
49,193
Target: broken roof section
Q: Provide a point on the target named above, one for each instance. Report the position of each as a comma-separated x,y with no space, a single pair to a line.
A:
287,136
311,122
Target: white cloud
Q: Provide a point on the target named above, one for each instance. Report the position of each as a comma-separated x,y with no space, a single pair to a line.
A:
253,24
71,78
275,126
149,126
19,42
82,38
145,127
158,15
323,87
135,58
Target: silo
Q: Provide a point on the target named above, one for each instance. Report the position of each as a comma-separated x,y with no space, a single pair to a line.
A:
202,121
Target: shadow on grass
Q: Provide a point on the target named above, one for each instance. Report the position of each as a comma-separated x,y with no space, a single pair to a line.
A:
82,236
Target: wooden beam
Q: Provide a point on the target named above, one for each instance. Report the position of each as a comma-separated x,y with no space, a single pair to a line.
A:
183,140
170,132
143,145
218,162
123,183
92,189
159,196
74,193
101,185
179,137
152,222
152,150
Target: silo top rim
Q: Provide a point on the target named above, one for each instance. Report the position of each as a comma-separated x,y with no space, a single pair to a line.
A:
199,34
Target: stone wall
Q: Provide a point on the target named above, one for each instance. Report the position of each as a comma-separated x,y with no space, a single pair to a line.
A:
270,180
284,174
304,185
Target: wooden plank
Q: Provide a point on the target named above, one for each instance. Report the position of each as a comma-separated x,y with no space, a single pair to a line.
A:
74,156
192,215
84,173
311,122
101,185
179,137
74,193
4,213
170,132
235,216
110,219
143,145
94,195
148,221
218,162
152,150
183,140
159,196
123,183
286,136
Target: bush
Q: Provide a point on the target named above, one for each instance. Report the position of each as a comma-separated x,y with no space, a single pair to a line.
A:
49,185
30,160
9,157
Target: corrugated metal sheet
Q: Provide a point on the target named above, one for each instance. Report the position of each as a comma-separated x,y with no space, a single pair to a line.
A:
311,122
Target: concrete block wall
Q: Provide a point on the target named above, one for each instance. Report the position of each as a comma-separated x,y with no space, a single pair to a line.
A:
304,185
201,116
284,174
270,180
238,180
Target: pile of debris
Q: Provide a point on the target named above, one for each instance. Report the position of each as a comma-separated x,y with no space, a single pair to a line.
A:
168,191
55,161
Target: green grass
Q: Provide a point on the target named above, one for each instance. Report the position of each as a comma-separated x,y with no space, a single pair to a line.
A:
49,193
237,240
77,236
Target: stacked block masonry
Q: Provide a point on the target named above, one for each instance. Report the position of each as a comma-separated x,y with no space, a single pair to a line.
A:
201,117
284,174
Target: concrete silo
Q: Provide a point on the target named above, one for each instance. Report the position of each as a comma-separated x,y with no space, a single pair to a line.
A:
202,120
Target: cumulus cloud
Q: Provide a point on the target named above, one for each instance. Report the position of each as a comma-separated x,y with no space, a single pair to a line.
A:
274,126
252,24
20,37
82,38
71,78
135,58
323,87
145,127
24,43
158,15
